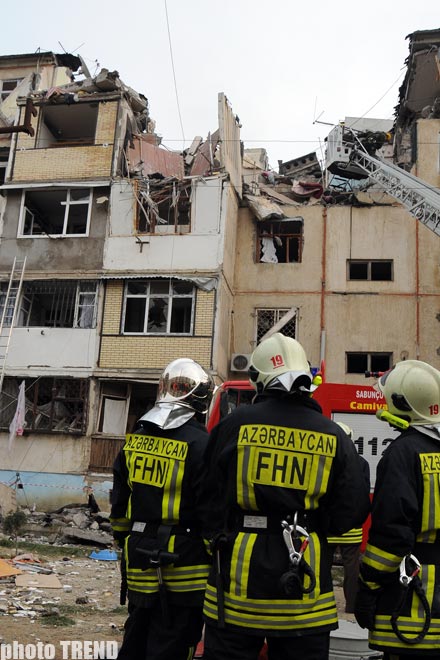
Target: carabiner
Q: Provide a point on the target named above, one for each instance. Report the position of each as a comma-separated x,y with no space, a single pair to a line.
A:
404,578
295,555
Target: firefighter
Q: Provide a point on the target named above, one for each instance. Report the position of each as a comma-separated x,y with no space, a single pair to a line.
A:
349,544
399,589
280,476
155,518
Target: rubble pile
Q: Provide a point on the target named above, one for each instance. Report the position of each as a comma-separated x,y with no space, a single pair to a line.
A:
70,524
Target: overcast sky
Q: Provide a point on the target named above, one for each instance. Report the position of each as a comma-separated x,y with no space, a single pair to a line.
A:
282,63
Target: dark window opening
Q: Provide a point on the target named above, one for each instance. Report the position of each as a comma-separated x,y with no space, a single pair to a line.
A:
370,270
67,125
58,304
165,209
56,212
53,405
280,241
359,363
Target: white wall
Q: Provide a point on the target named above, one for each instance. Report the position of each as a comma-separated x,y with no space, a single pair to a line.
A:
53,349
199,250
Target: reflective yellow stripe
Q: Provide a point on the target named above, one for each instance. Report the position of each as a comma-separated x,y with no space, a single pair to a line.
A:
285,457
240,562
181,579
286,614
430,468
120,524
172,492
380,559
352,537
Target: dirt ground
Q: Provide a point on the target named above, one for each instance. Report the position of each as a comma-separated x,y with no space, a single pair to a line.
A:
85,606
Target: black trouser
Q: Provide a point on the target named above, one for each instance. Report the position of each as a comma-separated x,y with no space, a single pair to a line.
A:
146,638
227,644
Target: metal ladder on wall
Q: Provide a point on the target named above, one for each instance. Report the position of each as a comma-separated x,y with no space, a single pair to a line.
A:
10,300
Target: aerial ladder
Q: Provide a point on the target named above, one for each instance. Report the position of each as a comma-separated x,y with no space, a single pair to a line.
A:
353,156
9,303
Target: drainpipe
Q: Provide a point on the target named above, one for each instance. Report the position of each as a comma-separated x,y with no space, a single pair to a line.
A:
417,295
323,275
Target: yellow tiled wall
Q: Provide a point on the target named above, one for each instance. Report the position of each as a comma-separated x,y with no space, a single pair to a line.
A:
79,162
153,352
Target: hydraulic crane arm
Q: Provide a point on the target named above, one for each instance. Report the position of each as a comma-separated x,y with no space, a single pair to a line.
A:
420,199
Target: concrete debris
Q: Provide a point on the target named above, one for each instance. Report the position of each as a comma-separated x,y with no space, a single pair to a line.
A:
75,523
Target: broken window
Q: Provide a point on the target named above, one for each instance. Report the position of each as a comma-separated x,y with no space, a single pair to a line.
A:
55,212
7,86
164,209
381,270
267,318
280,241
159,307
359,363
53,405
58,304
67,125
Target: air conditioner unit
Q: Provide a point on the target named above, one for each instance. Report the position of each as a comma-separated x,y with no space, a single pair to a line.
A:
240,361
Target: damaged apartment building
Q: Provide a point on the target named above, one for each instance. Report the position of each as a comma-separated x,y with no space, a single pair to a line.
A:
116,257
339,263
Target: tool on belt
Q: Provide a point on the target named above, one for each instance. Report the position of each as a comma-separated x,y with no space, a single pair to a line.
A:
296,539
157,559
410,581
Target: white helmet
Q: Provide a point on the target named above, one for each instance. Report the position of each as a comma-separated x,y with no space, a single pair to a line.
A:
412,392
280,363
186,383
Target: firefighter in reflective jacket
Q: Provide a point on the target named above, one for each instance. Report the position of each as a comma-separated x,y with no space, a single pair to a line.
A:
280,477
399,590
154,515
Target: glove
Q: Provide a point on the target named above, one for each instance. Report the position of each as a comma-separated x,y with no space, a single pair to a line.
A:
365,605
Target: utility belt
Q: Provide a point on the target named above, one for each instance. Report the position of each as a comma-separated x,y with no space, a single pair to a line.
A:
252,521
427,553
152,529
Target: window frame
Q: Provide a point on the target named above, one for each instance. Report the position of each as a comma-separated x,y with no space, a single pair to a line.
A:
370,355
149,296
151,199
4,94
369,264
67,204
269,227
39,412
27,301
278,312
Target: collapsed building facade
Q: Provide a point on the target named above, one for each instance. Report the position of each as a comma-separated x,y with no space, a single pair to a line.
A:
127,256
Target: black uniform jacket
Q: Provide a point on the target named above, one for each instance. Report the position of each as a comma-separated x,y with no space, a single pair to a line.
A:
155,506
405,519
265,463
